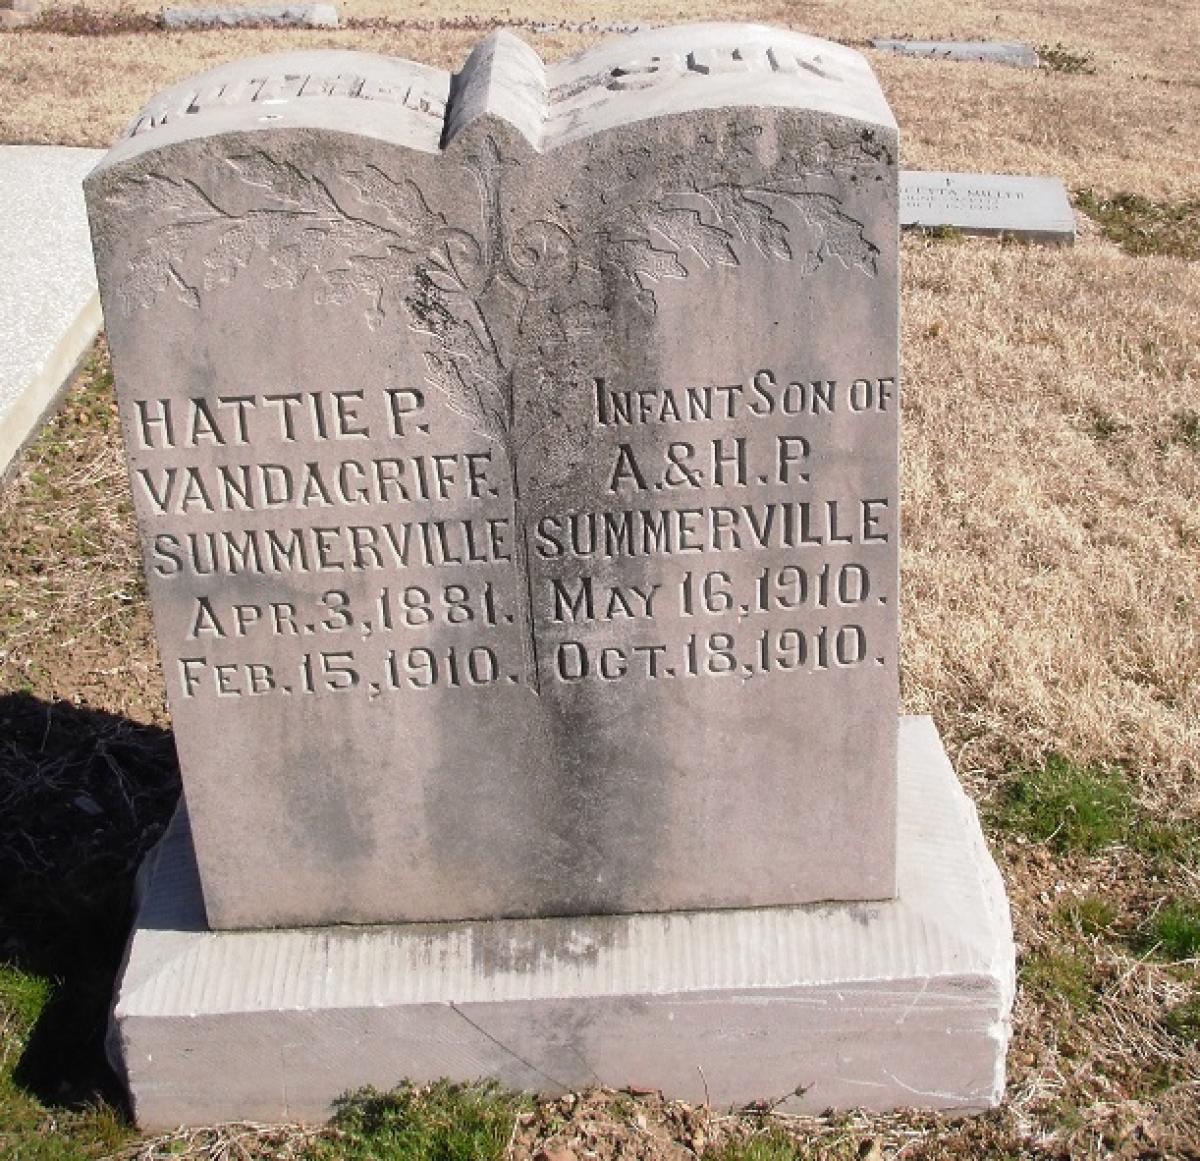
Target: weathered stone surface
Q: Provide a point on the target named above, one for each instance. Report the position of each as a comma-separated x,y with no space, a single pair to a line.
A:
1035,209
49,308
517,480
1017,55
239,16
871,1005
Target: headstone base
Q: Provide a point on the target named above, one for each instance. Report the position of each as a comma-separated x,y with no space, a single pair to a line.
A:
879,1005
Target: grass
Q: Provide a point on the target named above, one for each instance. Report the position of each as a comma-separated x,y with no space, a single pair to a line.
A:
769,1144
1069,806
1174,930
1185,428
444,1122
1060,59
1055,975
29,1131
1143,227
1085,808
1183,1020
1089,916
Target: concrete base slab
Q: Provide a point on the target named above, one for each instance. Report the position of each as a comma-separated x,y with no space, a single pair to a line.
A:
49,307
874,1005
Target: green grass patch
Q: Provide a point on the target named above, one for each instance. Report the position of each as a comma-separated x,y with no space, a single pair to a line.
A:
1174,930
1084,809
22,1000
1167,842
442,1122
1089,915
775,1144
1072,807
1060,59
1183,1020
28,1131
1061,974
1142,227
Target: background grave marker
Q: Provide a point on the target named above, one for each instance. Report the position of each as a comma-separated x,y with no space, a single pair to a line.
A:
1034,209
1017,55
49,308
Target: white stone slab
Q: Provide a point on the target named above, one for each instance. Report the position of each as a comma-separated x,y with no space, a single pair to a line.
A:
253,15
1035,209
1022,56
49,308
873,1005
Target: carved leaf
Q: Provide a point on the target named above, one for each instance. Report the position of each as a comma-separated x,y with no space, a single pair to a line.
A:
375,277
463,365
842,237
403,202
753,220
153,271
638,257
152,193
231,252
684,229
287,183
292,262
456,263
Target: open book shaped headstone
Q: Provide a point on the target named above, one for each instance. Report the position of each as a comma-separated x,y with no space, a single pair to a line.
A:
515,464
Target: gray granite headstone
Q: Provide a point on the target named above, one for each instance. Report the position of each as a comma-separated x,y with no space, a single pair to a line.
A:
515,465
1016,54
1034,209
515,462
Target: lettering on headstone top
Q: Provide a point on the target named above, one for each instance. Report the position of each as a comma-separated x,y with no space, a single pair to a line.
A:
518,490
1035,209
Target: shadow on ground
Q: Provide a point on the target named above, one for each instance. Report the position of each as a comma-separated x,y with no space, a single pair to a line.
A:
83,795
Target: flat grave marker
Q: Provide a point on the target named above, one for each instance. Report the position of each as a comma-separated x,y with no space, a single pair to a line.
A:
49,308
252,15
1015,54
1034,209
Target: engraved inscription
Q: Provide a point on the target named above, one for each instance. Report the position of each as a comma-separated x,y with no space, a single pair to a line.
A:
273,88
446,596
712,61
458,284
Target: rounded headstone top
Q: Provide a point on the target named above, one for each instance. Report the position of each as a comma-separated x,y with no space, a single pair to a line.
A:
650,74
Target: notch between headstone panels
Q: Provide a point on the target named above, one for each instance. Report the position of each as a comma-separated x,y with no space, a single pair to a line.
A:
502,78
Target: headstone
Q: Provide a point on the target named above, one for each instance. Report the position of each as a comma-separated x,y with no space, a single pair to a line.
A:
1034,209
1022,56
492,557
49,308
253,15
19,13
515,460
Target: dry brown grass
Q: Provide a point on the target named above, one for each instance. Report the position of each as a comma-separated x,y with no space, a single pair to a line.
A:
1052,567
1132,125
1051,489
